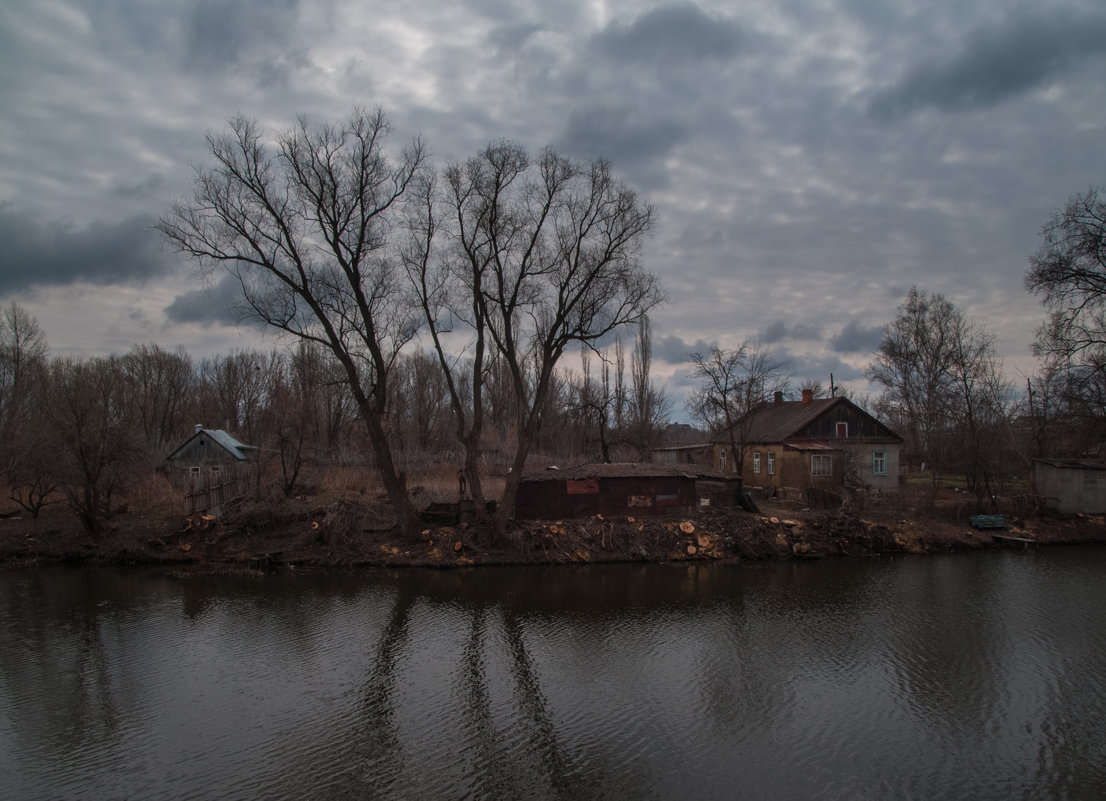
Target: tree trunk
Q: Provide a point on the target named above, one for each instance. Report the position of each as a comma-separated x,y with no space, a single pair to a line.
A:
395,484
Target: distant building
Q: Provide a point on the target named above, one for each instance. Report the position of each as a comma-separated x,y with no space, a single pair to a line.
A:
633,489
826,444
1071,486
699,453
210,468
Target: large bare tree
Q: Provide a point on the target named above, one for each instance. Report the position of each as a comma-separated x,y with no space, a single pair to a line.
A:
1068,273
732,385
304,224
515,259
943,379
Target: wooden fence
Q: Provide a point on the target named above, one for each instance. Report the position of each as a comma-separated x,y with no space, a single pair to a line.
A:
210,491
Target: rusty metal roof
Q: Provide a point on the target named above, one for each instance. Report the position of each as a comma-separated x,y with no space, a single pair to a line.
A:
626,470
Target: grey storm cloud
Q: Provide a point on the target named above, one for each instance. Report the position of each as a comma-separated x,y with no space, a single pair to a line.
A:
219,34
855,338
780,330
634,137
681,32
219,304
996,64
816,368
39,255
674,350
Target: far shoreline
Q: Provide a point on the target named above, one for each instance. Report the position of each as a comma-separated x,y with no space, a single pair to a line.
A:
264,538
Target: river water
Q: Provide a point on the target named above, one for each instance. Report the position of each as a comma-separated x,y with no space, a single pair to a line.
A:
974,676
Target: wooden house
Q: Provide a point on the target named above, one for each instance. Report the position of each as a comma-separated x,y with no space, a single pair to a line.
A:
824,444
633,489
211,468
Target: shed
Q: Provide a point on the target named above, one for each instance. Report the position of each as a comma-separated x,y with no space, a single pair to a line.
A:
210,467
1071,486
630,488
698,453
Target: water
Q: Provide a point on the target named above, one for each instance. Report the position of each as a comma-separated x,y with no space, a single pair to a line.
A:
972,676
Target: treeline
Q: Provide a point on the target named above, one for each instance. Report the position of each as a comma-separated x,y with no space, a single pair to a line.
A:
90,431
946,392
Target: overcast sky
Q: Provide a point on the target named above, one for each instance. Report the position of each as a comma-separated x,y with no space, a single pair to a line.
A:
809,160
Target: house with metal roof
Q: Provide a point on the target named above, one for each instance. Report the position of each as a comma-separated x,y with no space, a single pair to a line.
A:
825,443
210,467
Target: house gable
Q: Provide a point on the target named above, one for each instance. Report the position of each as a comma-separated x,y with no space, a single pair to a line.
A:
207,445
843,419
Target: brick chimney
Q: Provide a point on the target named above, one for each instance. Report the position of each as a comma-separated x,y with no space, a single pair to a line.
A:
808,397
778,398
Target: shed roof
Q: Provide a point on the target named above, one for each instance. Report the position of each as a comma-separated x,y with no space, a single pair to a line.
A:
1074,464
626,470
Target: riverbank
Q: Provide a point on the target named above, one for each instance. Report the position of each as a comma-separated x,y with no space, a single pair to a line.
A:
346,534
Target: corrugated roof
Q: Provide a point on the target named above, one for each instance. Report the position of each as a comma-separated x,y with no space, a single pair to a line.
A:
240,450
227,442
626,470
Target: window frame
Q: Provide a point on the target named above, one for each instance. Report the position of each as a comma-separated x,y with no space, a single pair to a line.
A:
821,465
756,462
879,462
771,463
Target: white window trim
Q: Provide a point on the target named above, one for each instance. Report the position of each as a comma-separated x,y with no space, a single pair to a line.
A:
756,462
824,463
771,463
879,457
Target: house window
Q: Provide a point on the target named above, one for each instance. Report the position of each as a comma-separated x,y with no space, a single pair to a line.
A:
215,469
842,430
195,471
756,461
771,463
722,459
879,463
821,465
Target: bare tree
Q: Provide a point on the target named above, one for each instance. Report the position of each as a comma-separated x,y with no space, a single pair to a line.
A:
517,259
943,382
26,460
981,408
23,352
305,230
649,406
594,403
733,383
1068,272
161,384
913,364
95,442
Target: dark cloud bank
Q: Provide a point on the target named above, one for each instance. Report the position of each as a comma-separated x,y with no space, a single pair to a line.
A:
39,255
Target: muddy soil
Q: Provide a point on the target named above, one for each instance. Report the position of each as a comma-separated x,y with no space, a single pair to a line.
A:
349,534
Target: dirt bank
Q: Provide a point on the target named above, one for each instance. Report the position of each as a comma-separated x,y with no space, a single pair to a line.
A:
346,534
